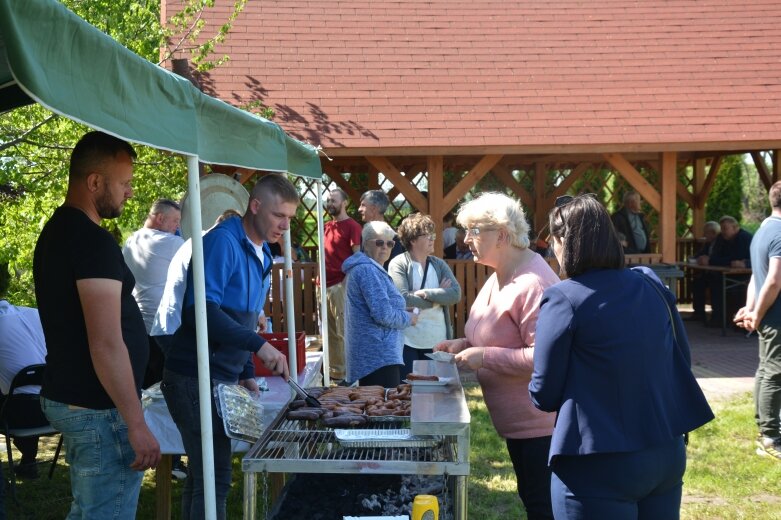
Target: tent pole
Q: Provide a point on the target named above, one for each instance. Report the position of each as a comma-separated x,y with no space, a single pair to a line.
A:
323,298
202,339
290,312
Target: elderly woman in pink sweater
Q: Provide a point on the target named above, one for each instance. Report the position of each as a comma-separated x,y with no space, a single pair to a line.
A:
499,342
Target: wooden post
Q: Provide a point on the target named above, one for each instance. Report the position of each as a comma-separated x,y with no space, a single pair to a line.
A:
698,209
776,166
540,171
435,203
667,233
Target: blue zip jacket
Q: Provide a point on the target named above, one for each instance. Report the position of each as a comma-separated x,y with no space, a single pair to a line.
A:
374,318
236,289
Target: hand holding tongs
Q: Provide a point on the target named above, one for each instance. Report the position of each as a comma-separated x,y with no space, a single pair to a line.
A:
310,401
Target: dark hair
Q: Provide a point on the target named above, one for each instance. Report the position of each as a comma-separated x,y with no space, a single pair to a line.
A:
775,195
276,184
589,238
93,149
5,278
376,198
163,205
341,193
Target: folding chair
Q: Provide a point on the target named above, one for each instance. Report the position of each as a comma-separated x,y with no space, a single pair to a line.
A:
30,375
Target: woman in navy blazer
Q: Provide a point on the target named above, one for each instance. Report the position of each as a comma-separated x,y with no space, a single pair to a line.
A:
612,359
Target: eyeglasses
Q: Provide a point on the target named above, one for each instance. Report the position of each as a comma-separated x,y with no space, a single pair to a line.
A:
566,199
430,236
475,231
387,243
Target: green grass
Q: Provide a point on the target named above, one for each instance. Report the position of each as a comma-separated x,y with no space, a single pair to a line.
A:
725,479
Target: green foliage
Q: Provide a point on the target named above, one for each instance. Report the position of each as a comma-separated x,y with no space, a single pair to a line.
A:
35,144
726,197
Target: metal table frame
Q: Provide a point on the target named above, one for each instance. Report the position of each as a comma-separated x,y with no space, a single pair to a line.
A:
436,410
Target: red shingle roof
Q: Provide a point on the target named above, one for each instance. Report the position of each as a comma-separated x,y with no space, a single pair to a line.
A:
589,75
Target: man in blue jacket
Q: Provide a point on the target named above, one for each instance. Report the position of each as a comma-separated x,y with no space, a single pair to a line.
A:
237,263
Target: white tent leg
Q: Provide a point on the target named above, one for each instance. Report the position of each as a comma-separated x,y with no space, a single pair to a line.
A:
202,341
323,298
290,310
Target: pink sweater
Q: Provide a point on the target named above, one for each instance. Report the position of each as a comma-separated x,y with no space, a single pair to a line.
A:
503,321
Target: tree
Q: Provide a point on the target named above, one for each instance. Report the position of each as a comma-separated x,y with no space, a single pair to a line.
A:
35,144
726,197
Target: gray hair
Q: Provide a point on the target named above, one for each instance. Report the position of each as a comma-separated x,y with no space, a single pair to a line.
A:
730,219
163,206
630,195
497,209
375,229
712,225
378,199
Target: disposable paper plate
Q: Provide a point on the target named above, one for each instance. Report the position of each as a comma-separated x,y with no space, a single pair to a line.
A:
418,382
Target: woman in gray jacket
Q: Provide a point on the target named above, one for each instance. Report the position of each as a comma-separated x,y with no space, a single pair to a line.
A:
425,282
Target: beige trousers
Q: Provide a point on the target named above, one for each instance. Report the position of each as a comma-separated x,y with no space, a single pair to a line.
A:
334,296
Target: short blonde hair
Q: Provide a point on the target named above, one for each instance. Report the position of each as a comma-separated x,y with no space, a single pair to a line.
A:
413,226
499,210
377,229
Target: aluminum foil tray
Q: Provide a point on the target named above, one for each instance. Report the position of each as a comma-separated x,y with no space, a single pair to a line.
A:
241,412
383,438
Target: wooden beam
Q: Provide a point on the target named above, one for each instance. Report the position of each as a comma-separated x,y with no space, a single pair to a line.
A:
698,212
506,177
403,184
336,176
633,177
540,211
436,178
702,196
567,183
472,177
764,174
667,224
683,193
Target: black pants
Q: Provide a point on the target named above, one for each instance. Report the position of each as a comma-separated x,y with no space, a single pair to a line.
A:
532,473
154,369
410,355
387,377
25,412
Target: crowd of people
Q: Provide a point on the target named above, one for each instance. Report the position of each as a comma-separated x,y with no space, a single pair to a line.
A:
585,372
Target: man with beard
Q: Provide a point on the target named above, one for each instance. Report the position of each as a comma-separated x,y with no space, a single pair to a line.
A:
342,239
374,204
95,335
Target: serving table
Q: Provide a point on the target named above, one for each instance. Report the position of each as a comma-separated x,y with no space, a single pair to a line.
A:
437,411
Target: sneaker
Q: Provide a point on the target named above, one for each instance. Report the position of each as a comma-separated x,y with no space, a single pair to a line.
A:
28,470
768,447
179,470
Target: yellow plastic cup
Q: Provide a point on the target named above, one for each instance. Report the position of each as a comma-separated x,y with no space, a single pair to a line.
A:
425,507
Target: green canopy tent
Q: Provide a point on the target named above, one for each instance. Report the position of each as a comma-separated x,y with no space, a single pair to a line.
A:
50,56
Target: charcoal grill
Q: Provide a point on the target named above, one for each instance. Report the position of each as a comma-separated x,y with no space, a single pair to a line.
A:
438,413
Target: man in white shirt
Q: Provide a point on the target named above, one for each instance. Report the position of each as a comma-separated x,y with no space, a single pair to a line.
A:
148,253
21,344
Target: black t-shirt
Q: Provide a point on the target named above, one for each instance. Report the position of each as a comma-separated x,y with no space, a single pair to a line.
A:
72,247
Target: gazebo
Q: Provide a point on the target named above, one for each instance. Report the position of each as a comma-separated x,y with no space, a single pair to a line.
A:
542,97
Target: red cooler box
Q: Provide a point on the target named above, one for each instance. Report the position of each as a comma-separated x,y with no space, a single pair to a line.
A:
279,342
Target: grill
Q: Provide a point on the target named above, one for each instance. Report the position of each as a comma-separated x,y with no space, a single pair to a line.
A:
439,422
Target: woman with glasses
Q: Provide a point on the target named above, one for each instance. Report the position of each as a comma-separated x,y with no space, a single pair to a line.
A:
374,312
425,282
499,342
612,359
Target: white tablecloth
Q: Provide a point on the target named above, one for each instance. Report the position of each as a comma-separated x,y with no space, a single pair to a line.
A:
274,400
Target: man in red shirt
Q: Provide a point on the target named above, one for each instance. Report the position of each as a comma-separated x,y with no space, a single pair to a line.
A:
342,239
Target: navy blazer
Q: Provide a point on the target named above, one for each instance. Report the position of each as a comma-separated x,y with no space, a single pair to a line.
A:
605,360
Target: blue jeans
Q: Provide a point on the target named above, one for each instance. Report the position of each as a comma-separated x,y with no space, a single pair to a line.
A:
181,396
99,454
639,485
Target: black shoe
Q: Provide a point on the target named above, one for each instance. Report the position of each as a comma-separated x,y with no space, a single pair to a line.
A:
28,470
179,470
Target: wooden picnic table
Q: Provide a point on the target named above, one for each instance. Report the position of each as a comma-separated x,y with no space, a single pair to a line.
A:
731,277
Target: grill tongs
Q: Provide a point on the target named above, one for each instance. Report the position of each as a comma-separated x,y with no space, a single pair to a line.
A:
310,400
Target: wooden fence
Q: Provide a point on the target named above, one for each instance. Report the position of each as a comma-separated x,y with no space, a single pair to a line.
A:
470,275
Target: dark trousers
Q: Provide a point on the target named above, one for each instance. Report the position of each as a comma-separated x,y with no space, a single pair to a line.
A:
154,368
532,474
735,298
25,412
410,355
767,382
387,377
639,485
700,284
